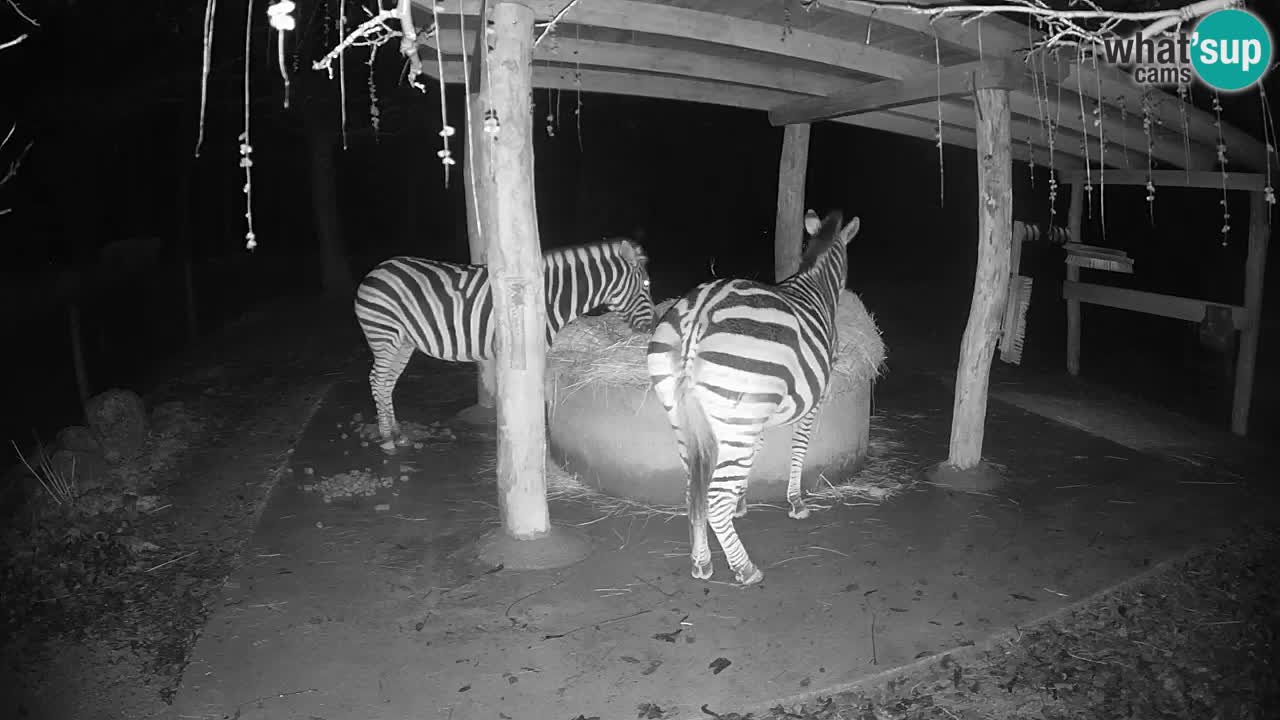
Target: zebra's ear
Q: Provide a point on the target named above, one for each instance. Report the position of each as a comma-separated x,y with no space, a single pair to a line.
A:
633,253
812,223
850,230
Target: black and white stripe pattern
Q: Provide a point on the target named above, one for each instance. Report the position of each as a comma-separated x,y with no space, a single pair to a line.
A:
446,310
1047,234
734,357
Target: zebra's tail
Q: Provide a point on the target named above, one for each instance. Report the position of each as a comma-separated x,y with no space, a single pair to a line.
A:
700,448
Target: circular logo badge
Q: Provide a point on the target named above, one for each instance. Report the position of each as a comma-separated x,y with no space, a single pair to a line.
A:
1231,49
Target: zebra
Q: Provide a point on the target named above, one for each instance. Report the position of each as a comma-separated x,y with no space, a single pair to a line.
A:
445,309
733,357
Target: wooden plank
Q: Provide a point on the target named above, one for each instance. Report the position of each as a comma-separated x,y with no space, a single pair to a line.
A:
1075,230
1251,324
788,231
478,189
930,86
984,35
515,266
996,35
1067,152
1064,107
689,90
1211,179
991,279
1170,306
644,17
669,61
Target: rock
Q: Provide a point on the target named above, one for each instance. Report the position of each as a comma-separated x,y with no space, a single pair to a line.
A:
169,418
83,470
78,438
119,419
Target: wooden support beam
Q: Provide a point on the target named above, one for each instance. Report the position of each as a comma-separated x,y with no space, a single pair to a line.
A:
926,87
515,267
995,36
711,27
1251,328
991,279
1075,229
1170,306
1211,179
1120,134
1068,151
985,35
788,229
702,91
478,188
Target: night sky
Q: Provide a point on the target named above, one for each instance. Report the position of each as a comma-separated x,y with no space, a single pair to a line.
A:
108,96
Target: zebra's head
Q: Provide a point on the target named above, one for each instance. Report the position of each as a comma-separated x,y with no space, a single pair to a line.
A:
629,294
828,241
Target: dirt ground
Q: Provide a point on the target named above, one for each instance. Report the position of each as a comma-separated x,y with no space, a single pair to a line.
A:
1191,637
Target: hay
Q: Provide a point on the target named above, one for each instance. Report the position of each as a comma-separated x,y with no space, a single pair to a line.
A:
889,469
566,487
604,350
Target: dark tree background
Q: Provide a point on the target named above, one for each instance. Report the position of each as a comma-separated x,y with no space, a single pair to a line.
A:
108,93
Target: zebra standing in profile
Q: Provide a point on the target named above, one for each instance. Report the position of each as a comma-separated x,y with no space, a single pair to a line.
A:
734,357
446,309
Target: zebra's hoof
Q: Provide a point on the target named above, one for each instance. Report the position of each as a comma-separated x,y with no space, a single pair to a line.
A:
702,572
750,575
388,446
798,512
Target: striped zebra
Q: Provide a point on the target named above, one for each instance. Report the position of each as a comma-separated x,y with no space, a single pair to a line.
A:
734,357
446,310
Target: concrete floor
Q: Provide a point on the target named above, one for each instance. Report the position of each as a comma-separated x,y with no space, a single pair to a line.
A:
341,611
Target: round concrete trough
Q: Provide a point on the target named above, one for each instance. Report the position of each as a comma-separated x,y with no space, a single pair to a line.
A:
606,425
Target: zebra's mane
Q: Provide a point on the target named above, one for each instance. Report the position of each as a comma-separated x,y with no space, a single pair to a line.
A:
640,257
828,236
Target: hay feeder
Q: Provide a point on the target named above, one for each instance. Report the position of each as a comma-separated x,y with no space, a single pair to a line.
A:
606,425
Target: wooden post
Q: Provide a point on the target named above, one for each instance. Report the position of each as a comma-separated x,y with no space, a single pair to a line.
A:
186,251
788,229
477,186
1254,268
991,279
1074,231
515,265
77,353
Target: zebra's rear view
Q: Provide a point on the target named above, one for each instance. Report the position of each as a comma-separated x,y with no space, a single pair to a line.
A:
446,310
734,357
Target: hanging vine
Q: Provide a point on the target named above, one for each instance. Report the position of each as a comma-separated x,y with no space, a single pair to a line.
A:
246,149
1099,121
280,17
1269,139
375,114
1148,130
1222,165
342,70
942,185
1084,129
209,9
446,130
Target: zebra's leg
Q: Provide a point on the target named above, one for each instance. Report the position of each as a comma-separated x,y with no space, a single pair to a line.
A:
728,487
799,447
699,546
387,368
741,510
